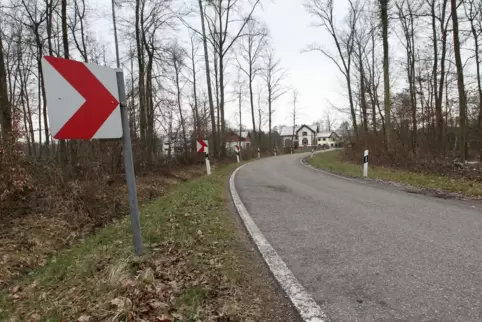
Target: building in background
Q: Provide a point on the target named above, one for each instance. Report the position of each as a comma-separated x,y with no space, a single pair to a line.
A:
234,138
309,136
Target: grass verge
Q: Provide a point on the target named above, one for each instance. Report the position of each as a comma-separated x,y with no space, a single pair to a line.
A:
332,161
193,268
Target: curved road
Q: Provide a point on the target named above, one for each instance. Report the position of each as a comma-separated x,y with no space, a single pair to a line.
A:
366,251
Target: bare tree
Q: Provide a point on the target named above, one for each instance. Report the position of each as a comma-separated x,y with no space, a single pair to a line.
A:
323,12
273,75
406,16
473,12
251,48
197,121
223,42
65,42
460,84
386,70
294,114
139,19
438,82
177,58
208,77
239,93
5,107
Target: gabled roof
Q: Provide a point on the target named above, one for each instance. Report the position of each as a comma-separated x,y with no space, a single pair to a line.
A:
326,134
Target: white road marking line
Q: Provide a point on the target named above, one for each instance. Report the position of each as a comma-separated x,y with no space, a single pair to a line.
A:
303,302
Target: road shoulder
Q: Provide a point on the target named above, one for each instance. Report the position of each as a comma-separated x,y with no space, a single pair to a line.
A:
195,267
307,308
330,162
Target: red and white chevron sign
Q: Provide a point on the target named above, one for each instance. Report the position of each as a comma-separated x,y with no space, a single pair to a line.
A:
82,100
202,146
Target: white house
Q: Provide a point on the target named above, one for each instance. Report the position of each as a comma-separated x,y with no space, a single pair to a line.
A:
304,135
309,136
328,139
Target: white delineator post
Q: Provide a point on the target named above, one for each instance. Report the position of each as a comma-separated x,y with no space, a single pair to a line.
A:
312,151
259,154
208,164
365,163
237,152
275,152
237,156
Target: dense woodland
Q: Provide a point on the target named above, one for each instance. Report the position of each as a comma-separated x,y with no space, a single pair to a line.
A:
412,76
180,59
410,70
184,62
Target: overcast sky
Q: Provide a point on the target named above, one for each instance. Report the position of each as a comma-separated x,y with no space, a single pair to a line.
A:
315,77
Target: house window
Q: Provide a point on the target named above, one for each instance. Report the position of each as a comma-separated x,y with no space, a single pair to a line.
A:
319,139
305,133
305,141
324,139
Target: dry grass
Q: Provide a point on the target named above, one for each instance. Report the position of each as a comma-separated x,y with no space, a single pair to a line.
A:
60,220
192,269
333,161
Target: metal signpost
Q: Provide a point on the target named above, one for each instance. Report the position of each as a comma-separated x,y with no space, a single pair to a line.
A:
83,101
129,167
237,148
202,146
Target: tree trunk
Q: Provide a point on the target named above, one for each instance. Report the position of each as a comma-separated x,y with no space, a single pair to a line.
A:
251,100
140,61
363,100
460,84
65,42
179,105
240,119
208,79
5,107
352,105
477,68
373,96
196,107
269,119
151,137
221,106
386,72
216,84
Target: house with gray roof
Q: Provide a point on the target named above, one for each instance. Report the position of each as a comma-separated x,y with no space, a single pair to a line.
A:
308,136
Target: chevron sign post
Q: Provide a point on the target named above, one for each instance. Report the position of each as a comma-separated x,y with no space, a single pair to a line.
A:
85,102
203,146
238,150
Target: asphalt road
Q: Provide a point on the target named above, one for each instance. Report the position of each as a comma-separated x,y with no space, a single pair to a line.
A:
366,251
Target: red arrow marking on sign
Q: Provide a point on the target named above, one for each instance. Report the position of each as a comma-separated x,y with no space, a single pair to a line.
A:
99,102
203,145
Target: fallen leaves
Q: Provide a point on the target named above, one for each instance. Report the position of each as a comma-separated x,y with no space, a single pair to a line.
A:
187,273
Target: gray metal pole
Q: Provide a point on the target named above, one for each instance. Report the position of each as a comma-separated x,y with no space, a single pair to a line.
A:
129,166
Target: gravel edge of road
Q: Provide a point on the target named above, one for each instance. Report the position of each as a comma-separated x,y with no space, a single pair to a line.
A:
305,305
